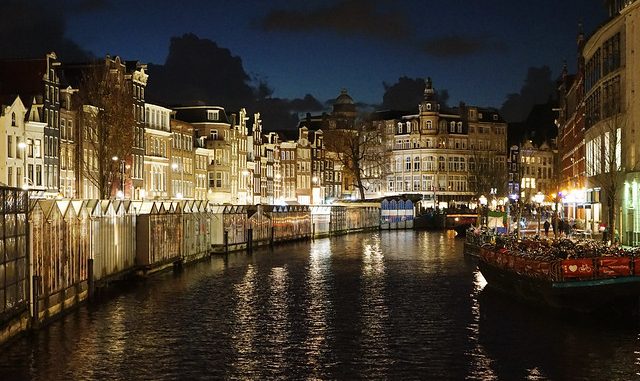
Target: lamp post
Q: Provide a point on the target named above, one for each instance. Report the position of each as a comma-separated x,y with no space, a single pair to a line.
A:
120,192
483,204
539,198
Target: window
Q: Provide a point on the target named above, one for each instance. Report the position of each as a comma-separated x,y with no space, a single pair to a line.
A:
428,106
399,128
30,147
218,179
9,146
459,127
18,149
30,172
213,134
407,166
452,127
13,119
10,176
416,163
213,114
429,125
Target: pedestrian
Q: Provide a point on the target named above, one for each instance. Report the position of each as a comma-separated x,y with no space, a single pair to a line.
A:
546,228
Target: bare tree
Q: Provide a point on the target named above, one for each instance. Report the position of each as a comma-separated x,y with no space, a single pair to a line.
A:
486,173
361,151
108,120
604,164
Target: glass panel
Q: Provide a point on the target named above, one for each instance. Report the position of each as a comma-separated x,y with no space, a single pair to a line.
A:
10,249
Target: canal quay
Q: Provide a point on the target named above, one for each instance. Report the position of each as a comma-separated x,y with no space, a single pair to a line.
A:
398,305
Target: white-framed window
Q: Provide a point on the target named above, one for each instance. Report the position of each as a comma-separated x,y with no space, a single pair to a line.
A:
429,125
213,114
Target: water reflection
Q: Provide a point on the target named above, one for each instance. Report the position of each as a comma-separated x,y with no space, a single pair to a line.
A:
480,361
374,312
319,307
245,325
389,305
277,324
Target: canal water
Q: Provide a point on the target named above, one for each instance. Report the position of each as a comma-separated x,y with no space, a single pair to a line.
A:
390,305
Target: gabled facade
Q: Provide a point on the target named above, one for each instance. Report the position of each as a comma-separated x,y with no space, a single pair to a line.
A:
214,132
444,155
157,136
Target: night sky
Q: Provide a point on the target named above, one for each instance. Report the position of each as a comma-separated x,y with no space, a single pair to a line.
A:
479,51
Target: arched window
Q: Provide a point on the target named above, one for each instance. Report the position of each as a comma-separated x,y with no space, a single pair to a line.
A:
459,127
13,119
428,106
452,127
429,125
408,127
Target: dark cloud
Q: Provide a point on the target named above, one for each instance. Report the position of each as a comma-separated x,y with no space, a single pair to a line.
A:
33,28
308,103
198,71
346,17
538,88
460,46
407,93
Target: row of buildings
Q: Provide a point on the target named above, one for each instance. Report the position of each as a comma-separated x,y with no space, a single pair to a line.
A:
599,170
56,145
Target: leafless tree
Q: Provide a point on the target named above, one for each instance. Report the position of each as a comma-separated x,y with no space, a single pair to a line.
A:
604,162
107,120
361,151
486,173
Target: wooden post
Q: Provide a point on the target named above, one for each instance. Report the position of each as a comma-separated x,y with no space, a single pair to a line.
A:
250,240
36,301
226,242
91,282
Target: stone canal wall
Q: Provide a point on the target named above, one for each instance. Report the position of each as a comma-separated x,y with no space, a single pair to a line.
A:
57,253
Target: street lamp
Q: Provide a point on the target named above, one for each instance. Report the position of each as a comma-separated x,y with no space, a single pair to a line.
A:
539,198
483,204
120,192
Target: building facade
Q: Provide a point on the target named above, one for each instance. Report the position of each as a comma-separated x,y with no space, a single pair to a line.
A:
612,153
447,156
157,163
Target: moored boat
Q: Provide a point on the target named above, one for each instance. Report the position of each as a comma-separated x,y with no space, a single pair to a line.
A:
582,277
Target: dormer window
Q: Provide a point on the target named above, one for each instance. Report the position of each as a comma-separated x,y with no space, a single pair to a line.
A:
213,114
495,116
399,128
408,127
459,127
452,127
428,106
